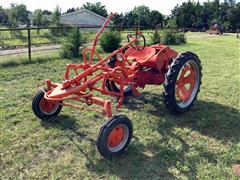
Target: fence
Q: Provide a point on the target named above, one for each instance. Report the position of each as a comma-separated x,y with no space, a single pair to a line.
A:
28,40
17,40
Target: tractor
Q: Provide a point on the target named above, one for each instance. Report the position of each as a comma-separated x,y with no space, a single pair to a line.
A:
121,74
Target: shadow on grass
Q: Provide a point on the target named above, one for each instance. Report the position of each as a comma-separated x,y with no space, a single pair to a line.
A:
159,158
209,118
68,124
156,159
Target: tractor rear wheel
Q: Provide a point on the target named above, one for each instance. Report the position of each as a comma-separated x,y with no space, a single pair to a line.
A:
183,81
114,136
113,86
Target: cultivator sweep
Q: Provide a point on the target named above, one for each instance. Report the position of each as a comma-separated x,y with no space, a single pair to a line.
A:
120,74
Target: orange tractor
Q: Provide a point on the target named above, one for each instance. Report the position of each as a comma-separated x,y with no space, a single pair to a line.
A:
120,74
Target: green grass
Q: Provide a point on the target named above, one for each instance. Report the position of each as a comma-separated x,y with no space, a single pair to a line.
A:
203,143
44,36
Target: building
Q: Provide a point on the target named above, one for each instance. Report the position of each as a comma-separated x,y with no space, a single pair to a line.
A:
83,18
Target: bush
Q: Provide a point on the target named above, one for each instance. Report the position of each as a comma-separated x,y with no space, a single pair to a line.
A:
110,41
70,49
156,38
173,38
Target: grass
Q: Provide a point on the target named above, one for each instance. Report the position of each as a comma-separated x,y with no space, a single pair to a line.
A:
203,143
44,36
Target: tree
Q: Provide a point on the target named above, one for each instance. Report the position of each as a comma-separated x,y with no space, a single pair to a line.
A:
185,15
38,18
56,20
233,16
70,48
118,20
47,12
141,15
156,18
3,17
70,10
56,16
97,8
18,13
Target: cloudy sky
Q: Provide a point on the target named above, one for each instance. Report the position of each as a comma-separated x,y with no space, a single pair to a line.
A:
163,6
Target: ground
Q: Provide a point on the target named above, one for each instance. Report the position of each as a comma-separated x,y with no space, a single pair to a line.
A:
203,143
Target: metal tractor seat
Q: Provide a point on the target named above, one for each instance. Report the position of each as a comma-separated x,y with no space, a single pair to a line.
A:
141,56
152,56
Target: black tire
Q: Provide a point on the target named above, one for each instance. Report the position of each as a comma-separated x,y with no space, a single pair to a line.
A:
171,79
40,113
111,86
103,143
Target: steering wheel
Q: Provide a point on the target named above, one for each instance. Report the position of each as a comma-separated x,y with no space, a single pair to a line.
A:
138,36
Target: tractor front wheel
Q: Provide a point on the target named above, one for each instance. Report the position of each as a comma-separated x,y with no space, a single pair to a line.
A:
183,82
44,108
114,136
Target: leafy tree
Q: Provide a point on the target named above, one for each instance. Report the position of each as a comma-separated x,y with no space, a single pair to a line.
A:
202,16
70,10
18,13
118,20
156,18
97,8
185,15
3,17
234,17
38,18
56,16
141,15
56,21
47,12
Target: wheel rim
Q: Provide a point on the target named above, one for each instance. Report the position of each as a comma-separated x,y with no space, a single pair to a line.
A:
126,88
48,107
187,84
118,138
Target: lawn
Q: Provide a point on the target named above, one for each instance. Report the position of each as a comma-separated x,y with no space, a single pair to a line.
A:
203,143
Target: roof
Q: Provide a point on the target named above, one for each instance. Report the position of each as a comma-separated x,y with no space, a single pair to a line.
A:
83,10
82,17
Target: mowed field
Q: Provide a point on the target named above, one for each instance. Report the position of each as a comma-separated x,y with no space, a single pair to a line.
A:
203,143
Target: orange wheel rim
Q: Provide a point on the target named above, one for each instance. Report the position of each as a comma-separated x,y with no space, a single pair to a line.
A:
116,136
186,82
47,106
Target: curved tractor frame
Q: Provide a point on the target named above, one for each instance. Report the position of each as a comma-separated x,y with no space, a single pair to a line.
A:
120,74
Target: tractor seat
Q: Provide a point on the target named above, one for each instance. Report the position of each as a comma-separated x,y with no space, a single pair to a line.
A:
141,56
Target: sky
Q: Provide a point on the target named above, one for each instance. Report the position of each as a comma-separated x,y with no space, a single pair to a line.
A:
163,6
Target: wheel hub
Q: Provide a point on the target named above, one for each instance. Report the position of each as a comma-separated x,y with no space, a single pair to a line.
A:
116,136
47,106
186,83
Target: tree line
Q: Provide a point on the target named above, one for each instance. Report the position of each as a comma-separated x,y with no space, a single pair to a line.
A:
202,16
193,15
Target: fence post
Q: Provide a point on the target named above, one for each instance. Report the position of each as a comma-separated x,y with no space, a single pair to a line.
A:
29,44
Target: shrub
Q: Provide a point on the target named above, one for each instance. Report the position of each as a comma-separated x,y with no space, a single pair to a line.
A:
156,38
70,49
110,41
173,38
